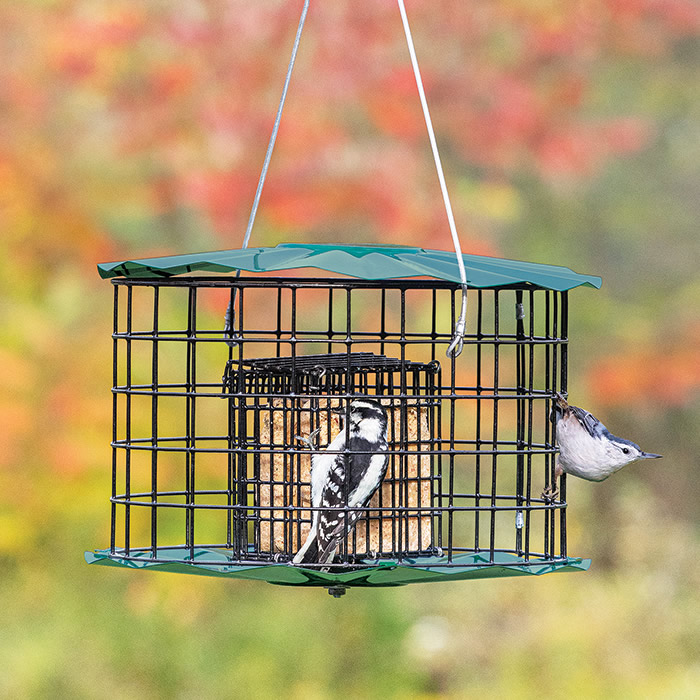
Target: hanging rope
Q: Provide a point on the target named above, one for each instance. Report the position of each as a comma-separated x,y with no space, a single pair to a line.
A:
455,347
229,320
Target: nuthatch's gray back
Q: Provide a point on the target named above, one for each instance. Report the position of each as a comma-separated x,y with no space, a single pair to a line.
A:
587,449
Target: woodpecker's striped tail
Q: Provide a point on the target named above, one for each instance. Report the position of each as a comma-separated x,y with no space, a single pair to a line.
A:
335,533
308,554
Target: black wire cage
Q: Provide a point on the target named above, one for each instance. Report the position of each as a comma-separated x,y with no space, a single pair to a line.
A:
213,433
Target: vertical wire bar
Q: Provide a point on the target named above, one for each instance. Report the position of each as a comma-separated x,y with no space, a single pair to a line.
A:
115,418
520,406
394,514
530,409
241,514
382,321
188,408
433,325
230,458
453,409
330,321
555,366
433,429
127,476
287,430
270,544
403,435
296,485
477,432
380,389
349,389
549,458
154,426
366,518
278,327
364,391
494,462
230,482
191,414
418,484
255,488
438,521
564,384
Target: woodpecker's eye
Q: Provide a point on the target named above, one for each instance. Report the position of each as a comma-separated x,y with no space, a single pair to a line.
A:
625,450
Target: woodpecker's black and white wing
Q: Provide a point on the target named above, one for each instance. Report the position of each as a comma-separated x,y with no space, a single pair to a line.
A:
344,480
323,465
365,469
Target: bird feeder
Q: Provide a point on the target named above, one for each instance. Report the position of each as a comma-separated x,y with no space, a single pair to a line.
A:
214,433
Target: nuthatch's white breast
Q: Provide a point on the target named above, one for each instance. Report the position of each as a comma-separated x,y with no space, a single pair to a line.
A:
587,449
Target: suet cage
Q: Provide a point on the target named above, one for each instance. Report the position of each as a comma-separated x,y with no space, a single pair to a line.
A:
213,432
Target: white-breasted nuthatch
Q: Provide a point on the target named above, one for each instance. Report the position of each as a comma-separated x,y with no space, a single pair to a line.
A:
338,474
587,449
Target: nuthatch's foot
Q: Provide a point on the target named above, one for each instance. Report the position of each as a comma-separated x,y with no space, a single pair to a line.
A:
550,493
309,440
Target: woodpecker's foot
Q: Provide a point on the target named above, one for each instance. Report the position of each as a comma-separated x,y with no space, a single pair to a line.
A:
309,440
550,493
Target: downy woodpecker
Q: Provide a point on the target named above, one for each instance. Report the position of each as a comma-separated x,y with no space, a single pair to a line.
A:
345,475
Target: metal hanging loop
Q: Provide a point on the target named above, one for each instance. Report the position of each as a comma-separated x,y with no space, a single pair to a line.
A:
455,348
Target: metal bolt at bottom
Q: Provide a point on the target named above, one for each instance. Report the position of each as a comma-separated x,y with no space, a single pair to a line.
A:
337,591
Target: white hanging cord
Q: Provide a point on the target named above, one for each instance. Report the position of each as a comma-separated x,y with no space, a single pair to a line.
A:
229,320
455,347
275,128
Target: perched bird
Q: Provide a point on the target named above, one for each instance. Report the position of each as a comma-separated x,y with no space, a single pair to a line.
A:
355,474
587,449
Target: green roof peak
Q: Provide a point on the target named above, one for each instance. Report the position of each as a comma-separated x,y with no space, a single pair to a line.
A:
370,262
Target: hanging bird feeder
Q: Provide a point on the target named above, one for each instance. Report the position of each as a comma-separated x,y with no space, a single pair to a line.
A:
212,474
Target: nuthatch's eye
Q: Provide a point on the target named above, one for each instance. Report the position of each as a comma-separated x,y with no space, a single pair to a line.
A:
625,450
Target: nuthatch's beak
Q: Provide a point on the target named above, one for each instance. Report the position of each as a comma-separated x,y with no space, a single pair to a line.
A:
560,401
649,455
560,405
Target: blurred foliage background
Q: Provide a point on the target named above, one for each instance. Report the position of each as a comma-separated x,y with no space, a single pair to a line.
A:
569,133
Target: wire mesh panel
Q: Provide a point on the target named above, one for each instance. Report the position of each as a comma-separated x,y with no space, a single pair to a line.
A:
214,435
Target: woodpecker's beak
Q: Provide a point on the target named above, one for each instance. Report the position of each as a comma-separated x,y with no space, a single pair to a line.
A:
340,410
649,455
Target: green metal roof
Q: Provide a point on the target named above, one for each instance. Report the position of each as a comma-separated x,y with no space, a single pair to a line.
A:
366,262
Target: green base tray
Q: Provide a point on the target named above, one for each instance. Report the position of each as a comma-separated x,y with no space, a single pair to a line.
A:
384,573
